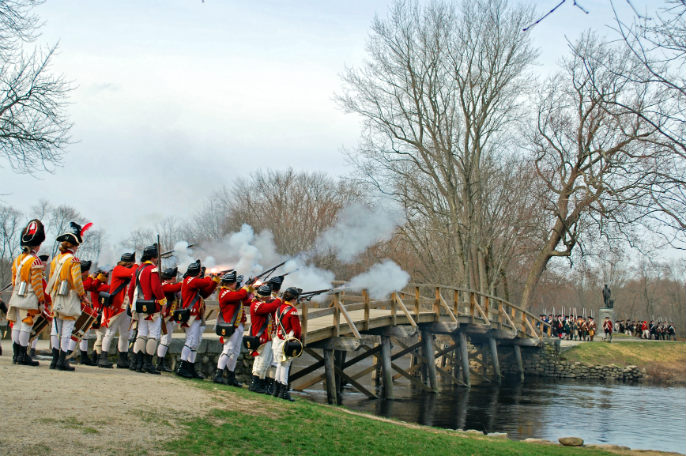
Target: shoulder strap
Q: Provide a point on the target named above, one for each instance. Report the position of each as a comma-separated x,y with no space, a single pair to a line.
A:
194,300
21,265
120,287
58,270
280,315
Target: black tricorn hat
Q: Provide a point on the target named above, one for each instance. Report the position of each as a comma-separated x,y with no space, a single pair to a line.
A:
128,257
86,265
33,234
74,233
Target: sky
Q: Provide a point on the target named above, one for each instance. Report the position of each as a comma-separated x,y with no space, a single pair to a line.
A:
173,99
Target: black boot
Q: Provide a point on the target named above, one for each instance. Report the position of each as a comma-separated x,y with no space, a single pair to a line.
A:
286,393
184,370
132,362
231,378
33,352
148,366
254,383
218,376
277,389
195,373
162,365
85,359
269,386
139,361
63,362
103,361
25,359
55,358
16,349
123,360
95,358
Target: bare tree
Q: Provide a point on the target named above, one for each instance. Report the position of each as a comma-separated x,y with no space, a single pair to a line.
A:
33,125
439,97
589,150
10,229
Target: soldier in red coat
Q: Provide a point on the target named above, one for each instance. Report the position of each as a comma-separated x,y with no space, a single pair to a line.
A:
232,303
90,284
287,325
195,289
100,284
172,289
115,317
147,301
262,310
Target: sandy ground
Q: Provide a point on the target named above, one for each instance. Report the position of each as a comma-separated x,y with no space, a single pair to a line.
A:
93,410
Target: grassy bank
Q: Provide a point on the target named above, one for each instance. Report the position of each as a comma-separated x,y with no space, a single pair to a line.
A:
664,361
274,427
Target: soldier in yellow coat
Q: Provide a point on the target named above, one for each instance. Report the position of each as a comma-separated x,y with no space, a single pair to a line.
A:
66,289
28,298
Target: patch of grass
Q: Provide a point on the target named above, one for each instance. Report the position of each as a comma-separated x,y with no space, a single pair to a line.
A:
306,428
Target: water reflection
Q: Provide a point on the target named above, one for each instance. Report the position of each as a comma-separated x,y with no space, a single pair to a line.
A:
638,416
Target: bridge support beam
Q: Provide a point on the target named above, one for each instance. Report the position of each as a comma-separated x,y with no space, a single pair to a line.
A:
429,359
330,371
518,359
464,357
494,357
386,368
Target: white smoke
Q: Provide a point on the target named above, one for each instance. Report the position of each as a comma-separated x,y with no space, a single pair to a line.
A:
381,279
357,228
307,276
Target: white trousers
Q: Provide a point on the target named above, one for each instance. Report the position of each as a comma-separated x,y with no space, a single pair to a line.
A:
148,334
60,334
165,339
263,360
282,367
119,325
193,338
231,351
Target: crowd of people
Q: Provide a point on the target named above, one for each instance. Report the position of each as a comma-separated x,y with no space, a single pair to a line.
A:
570,327
141,305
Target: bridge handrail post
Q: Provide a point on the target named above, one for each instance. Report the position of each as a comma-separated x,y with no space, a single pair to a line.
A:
456,302
416,302
487,305
393,310
303,323
437,305
472,304
365,299
336,315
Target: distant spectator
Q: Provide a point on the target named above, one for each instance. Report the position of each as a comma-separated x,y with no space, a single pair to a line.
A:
608,327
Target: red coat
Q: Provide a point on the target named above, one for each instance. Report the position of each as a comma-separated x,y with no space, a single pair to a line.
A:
193,286
231,301
262,313
119,275
147,279
287,317
171,290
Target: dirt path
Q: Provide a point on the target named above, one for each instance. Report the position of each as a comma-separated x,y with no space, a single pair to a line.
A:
97,411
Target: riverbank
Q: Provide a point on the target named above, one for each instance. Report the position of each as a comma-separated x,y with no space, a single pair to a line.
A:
130,413
664,362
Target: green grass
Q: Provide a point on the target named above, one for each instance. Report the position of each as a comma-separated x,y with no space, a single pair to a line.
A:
638,353
274,427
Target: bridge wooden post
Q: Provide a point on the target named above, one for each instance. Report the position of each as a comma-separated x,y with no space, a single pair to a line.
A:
416,303
339,358
518,359
494,358
386,369
429,358
330,371
365,298
464,357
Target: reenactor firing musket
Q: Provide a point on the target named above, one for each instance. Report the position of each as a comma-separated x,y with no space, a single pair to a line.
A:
171,252
265,274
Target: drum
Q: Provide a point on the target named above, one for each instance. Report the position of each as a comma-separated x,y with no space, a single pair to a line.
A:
41,322
84,323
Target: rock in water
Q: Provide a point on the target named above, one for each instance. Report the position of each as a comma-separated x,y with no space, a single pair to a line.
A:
571,441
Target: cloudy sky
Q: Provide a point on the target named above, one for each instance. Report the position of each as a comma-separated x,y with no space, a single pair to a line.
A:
175,98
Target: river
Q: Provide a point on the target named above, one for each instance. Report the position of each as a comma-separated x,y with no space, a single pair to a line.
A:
637,416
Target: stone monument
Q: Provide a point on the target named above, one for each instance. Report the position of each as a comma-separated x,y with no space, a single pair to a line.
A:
608,310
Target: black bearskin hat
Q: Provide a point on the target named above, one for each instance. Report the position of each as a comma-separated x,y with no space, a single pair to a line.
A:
86,266
128,257
149,252
229,277
193,269
170,273
33,234
264,290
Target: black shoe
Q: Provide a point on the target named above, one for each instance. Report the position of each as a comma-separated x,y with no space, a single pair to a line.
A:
63,362
277,389
285,393
123,360
219,377
85,359
55,358
254,383
33,352
132,362
231,378
103,361
139,361
184,370
148,366
269,386
162,365
95,358
24,358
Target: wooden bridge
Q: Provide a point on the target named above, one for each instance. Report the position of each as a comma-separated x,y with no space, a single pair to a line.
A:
351,322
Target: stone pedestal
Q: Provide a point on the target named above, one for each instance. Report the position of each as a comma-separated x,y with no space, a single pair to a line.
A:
605,312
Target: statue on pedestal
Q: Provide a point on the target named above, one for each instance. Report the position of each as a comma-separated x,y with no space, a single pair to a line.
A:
609,303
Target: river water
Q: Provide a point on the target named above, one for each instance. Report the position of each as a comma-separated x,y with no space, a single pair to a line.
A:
637,416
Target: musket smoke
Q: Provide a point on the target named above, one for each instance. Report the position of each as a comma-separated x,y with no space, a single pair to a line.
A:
307,277
381,279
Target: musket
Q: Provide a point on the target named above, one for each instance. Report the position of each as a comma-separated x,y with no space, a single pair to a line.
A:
265,274
171,252
159,268
308,295
6,287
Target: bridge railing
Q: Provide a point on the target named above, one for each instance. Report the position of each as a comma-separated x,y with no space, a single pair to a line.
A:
419,301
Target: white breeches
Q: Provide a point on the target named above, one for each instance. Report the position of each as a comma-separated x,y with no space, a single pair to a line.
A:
282,367
193,338
263,360
231,351
21,333
165,340
60,334
119,325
